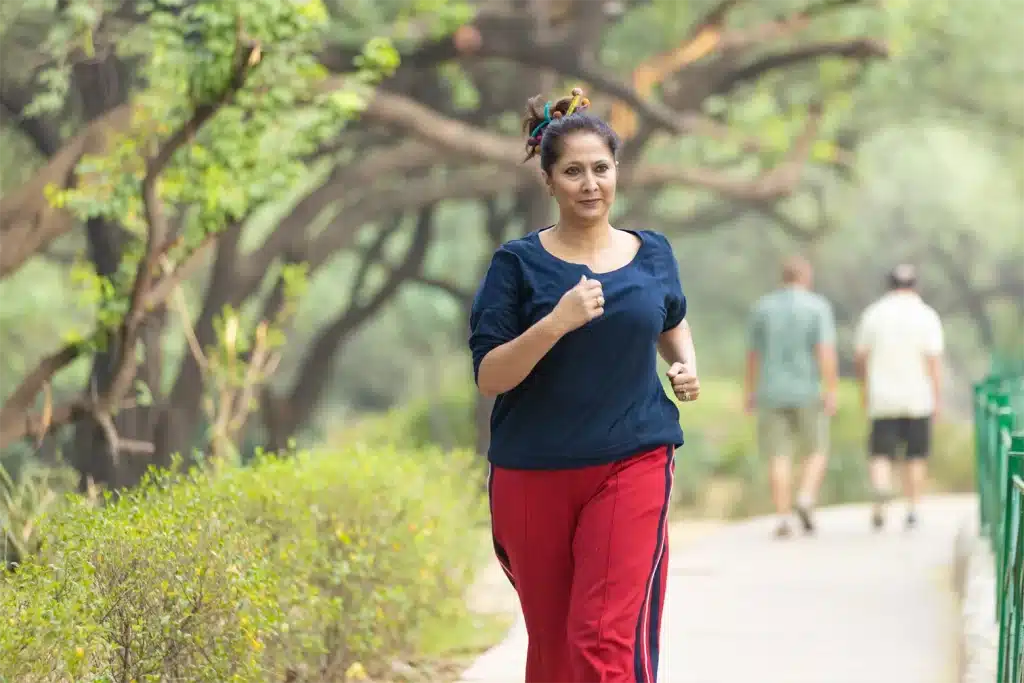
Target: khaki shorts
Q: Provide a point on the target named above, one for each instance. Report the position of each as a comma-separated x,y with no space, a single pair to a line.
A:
792,431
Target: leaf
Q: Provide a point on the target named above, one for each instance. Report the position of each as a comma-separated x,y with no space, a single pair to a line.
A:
143,396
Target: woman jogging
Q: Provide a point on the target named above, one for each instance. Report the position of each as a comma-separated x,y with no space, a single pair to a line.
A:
565,332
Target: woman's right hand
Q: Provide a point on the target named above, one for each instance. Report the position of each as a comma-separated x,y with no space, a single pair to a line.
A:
579,305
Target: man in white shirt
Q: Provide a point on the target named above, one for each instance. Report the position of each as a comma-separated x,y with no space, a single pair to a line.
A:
899,345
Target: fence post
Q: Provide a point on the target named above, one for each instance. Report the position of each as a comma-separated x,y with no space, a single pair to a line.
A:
997,402
1008,561
1001,445
1015,642
981,390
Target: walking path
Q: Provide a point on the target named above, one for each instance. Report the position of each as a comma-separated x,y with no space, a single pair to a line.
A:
845,606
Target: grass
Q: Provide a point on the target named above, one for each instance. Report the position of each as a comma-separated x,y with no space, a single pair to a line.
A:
465,638
464,630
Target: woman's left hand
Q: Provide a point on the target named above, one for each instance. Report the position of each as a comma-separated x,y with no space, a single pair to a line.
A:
685,384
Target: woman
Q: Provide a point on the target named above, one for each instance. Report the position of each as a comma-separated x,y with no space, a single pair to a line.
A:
565,331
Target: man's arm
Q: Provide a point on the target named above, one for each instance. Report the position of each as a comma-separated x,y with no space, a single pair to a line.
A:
861,354
860,365
755,345
935,344
933,363
751,377
825,351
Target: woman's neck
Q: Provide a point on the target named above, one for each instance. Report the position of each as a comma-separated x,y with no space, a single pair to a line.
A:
584,237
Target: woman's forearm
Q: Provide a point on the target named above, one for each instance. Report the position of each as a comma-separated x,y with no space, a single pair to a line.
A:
505,366
676,346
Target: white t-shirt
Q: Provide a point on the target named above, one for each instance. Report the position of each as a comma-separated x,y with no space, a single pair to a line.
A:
897,333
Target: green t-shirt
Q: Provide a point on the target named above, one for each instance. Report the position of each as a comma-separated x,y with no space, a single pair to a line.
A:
785,327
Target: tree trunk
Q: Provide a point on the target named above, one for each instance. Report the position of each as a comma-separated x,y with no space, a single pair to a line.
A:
91,454
101,86
181,416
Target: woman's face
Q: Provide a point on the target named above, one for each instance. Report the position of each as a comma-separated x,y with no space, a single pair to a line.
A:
582,181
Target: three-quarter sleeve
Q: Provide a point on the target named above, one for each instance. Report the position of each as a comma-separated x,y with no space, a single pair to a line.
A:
675,299
494,318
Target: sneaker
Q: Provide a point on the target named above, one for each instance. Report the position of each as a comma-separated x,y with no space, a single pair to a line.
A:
882,498
783,530
877,518
911,520
803,513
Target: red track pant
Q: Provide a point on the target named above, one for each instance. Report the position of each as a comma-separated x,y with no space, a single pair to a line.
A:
587,551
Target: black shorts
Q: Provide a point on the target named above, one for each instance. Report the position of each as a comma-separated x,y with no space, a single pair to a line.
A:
913,433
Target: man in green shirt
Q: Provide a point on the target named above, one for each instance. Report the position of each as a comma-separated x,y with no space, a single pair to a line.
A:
792,381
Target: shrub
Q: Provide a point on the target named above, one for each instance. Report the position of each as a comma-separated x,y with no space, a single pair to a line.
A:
158,585
296,568
444,420
27,492
372,543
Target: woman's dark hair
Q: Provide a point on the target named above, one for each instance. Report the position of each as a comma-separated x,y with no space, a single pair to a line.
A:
546,123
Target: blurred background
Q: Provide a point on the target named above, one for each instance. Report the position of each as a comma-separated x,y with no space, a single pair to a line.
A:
330,178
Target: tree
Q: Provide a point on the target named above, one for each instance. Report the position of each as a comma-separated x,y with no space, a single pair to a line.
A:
224,125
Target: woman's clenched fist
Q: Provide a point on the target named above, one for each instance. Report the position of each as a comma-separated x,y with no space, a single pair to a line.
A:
579,305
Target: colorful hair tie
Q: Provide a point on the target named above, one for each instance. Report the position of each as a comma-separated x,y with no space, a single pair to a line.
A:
577,99
573,104
545,122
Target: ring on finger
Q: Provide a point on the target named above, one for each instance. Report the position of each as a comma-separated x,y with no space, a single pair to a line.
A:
600,301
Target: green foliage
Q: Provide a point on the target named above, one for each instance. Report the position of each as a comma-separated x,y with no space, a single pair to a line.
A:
444,419
26,495
302,568
33,315
403,21
254,150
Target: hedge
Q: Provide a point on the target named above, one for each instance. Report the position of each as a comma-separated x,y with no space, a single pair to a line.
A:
312,567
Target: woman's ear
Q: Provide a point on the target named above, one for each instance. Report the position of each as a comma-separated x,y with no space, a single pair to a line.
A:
547,183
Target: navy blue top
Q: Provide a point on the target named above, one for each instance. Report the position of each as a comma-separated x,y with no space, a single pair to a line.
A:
596,396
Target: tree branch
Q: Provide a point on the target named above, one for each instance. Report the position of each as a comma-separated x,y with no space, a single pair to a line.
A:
27,220
456,136
342,183
704,218
466,183
462,295
15,422
156,221
860,48
314,373
44,133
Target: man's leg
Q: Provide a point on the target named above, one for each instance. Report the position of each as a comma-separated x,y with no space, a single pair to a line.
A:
621,566
772,428
813,431
918,435
882,447
533,520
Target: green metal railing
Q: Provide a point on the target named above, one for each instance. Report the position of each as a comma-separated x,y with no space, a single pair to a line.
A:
999,449
1011,605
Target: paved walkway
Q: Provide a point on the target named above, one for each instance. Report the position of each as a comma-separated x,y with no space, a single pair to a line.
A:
845,606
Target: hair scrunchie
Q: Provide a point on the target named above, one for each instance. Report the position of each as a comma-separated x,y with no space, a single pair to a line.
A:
537,133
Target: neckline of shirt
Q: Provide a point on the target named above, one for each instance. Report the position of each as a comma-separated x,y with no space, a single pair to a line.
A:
535,236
